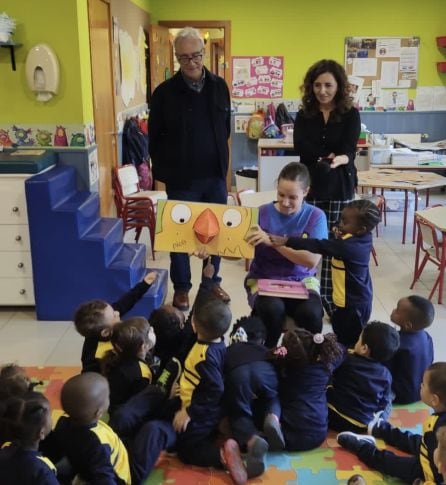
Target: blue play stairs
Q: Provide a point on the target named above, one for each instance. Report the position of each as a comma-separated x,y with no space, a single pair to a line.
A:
78,255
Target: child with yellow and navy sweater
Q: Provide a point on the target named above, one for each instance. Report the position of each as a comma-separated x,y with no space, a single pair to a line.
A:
361,385
201,393
25,420
412,314
95,319
421,465
350,253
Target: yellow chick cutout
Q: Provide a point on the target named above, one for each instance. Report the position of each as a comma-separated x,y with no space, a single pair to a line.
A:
183,227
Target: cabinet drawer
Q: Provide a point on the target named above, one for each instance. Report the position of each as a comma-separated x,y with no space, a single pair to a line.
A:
15,264
14,237
16,291
13,201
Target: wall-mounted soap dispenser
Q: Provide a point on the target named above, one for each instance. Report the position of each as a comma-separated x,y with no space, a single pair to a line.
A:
42,72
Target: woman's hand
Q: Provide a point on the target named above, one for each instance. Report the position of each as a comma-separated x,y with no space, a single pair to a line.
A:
258,236
339,160
278,240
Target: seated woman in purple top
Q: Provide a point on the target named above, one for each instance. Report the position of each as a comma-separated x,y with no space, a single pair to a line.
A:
289,215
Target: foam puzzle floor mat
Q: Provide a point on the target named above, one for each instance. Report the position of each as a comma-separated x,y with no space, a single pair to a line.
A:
327,465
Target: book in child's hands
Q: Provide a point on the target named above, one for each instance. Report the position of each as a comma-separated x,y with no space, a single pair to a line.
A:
282,288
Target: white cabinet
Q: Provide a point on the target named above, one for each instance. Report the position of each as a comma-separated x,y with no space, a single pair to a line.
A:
16,284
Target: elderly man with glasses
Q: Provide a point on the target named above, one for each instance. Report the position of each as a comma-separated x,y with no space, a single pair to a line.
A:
189,127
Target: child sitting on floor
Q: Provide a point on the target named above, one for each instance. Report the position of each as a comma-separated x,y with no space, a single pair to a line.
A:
350,252
95,319
133,398
420,465
361,386
251,382
14,382
305,363
201,393
93,449
440,452
416,352
24,422
174,334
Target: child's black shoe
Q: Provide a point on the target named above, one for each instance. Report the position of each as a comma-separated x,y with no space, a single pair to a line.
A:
169,377
353,442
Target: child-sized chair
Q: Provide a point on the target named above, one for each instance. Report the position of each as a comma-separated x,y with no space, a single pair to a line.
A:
136,208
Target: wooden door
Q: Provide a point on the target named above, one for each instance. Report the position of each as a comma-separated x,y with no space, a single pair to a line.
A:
161,57
103,97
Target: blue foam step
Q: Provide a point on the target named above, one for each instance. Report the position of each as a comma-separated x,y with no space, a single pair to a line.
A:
59,183
106,234
85,209
153,298
129,263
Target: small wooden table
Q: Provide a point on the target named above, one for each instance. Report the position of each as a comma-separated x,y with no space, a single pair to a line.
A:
437,217
401,180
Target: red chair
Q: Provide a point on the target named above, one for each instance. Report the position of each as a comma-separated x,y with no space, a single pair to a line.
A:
428,243
135,207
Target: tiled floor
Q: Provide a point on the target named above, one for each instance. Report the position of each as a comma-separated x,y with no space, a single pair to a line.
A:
30,342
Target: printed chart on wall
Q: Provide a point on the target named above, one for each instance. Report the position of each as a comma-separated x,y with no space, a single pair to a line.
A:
386,66
257,77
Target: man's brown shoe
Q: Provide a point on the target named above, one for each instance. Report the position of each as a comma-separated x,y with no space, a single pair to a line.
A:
219,292
181,300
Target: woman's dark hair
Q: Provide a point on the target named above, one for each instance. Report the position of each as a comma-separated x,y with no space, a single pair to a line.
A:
304,348
296,172
368,213
22,418
342,99
127,339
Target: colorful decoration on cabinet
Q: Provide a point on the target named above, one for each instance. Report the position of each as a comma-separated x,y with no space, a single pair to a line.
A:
5,140
77,140
22,136
60,137
43,138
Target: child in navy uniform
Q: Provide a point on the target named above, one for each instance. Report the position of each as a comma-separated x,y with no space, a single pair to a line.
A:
416,352
421,465
24,422
93,449
174,334
201,393
362,386
251,383
133,397
95,319
350,252
305,370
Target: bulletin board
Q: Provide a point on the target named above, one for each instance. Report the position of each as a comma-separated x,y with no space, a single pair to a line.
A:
391,61
257,77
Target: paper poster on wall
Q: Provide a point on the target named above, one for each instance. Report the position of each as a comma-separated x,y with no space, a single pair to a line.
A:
355,86
257,77
393,61
241,123
129,67
185,227
393,99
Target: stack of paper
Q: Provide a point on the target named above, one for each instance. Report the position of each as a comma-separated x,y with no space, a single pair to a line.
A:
405,156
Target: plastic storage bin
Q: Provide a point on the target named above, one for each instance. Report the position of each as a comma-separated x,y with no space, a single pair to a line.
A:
246,179
379,155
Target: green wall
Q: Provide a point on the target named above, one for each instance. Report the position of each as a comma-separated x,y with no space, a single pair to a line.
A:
304,32
55,23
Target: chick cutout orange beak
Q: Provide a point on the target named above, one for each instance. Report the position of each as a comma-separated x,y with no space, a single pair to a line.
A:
206,226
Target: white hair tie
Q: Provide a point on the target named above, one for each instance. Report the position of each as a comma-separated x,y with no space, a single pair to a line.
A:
239,335
318,338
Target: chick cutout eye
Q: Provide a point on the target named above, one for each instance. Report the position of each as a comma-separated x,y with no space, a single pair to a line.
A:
232,218
180,213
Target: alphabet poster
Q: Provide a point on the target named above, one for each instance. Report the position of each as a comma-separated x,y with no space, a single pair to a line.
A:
257,77
183,227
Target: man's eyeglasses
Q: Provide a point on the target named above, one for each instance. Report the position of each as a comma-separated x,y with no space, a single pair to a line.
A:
196,58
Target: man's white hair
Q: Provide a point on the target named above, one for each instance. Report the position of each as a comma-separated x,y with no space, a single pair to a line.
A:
187,33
